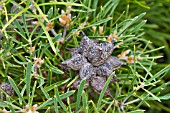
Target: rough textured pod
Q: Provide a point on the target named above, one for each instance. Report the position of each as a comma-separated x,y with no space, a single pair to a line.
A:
98,83
75,62
107,49
107,68
87,71
94,55
85,44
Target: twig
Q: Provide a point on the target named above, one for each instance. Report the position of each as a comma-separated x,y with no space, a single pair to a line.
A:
53,32
131,102
61,40
123,103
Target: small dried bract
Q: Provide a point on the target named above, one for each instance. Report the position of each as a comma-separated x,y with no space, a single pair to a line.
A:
7,88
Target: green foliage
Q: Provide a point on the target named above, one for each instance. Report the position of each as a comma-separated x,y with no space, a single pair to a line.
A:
35,38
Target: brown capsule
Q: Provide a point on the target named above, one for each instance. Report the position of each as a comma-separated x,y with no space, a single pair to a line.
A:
75,62
87,71
7,88
98,83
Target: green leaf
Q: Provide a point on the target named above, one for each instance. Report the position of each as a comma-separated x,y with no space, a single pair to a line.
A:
52,86
13,18
33,90
104,90
84,99
80,91
55,105
16,90
28,79
48,36
19,27
47,96
152,95
99,22
67,94
167,68
59,99
46,103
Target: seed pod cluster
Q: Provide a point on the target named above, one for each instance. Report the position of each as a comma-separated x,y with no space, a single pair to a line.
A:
94,62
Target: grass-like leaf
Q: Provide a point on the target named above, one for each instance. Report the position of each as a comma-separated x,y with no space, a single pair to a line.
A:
16,90
80,91
104,90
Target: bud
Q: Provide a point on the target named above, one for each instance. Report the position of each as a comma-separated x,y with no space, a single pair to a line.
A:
94,28
62,22
101,30
110,38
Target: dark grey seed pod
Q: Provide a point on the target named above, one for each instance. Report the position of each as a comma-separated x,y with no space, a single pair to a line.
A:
74,51
105,69
75,62
107,49
7,88
94,55
98,83
114,61
108,66
76,84
87,71
85,44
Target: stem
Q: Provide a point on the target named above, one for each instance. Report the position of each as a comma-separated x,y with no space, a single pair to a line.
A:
61,40
131,102
53,32
123,103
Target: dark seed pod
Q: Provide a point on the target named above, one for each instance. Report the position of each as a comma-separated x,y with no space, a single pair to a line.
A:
115,62
107,49
98,83
75,62
85,44
107,68
76,84
94,55
87,71
7,88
